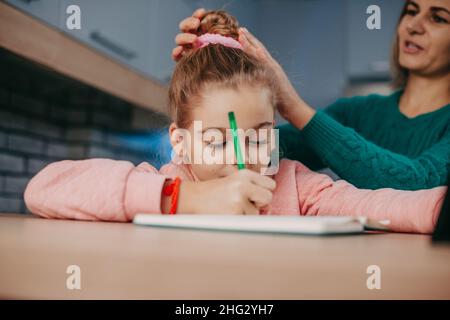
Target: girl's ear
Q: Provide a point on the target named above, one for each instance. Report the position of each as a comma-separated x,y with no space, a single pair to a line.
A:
179,139
175,138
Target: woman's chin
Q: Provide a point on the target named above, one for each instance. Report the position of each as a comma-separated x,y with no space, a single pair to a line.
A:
413,64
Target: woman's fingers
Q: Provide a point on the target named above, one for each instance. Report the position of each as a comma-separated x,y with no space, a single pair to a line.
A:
252,45
247,46
177,53
187,37
253,40
189,24
199,13
183,39
192,23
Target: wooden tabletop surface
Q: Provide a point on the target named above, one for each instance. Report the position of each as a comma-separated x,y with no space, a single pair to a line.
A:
124,261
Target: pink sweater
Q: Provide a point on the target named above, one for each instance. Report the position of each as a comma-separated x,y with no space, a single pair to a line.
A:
110,190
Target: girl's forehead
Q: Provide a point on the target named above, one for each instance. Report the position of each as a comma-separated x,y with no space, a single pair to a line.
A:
260,128
251,106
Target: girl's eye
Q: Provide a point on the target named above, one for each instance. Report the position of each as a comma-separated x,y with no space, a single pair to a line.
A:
217,145
438,19
257,143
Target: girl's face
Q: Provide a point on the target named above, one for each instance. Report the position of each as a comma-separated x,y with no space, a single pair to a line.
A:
210,135
424,41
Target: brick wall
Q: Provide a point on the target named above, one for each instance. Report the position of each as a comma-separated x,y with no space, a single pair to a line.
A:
45,117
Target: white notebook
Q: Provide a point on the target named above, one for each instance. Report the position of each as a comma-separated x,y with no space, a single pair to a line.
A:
309,225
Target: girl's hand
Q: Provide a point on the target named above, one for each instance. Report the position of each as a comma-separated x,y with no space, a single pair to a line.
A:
243,192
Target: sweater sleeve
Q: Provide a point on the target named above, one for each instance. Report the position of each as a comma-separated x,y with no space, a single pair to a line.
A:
407,211
365,164
95,189
294,145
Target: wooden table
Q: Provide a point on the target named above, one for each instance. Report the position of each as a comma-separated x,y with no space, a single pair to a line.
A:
124,261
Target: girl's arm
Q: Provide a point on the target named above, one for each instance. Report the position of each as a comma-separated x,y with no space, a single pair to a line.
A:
407,211
111,190
95,189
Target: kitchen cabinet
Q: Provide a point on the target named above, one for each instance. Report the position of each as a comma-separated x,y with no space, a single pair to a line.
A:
121,30
138,33
44,10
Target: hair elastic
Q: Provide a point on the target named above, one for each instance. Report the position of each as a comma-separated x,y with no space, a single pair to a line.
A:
214,38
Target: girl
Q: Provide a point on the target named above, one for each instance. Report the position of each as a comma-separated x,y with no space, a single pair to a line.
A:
214,79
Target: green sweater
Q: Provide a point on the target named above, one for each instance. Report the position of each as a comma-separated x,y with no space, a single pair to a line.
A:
371,144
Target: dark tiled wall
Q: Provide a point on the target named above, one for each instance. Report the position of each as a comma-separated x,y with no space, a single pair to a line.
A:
45,117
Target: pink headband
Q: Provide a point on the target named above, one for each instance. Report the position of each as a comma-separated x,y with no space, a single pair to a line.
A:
213,38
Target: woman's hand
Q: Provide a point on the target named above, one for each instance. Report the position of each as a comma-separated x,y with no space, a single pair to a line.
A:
243,192
188,35
290,105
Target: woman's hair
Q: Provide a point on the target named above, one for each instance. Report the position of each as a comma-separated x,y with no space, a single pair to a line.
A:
399,73
214,65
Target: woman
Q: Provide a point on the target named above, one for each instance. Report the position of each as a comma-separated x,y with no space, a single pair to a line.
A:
400,141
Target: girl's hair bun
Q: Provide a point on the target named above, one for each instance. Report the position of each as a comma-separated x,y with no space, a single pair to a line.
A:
214,64
219,22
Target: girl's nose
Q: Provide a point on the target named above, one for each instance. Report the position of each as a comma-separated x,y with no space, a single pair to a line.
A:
230,156
231,153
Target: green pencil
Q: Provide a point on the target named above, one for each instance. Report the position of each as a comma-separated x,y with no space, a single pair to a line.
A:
237,148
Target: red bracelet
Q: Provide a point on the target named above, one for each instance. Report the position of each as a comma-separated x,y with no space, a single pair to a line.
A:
173,189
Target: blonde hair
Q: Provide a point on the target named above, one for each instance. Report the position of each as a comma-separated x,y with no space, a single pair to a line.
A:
216,65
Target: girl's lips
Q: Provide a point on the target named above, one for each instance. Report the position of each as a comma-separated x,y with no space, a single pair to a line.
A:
411,47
